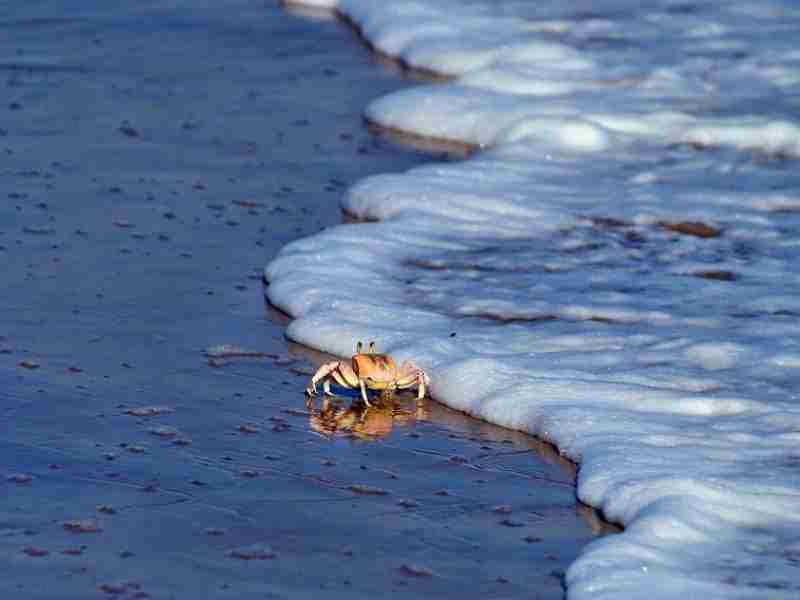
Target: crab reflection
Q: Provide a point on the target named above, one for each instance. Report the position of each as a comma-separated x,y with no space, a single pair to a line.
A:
335,416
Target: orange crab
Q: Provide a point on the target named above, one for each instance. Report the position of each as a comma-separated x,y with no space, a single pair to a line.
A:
370,370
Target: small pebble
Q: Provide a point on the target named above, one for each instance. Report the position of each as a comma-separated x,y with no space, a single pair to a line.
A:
148,411
82,526
164,431
113,588
254,552
532,539
415,570
367,490
512,523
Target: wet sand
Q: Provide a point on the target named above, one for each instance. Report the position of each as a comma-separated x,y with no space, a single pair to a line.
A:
152,161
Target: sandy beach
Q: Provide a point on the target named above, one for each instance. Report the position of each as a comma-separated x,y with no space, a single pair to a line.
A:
156,441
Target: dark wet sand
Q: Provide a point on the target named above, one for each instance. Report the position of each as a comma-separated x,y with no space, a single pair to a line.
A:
151,162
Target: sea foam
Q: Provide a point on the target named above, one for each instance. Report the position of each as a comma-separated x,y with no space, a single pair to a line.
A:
614,271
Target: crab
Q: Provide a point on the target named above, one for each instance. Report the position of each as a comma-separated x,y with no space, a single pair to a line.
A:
370,370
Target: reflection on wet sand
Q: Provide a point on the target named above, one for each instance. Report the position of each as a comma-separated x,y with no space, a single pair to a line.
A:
347,416
341,416
439,414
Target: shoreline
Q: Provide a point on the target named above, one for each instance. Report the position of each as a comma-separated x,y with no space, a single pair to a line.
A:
546,450
453,149
160,445
301,8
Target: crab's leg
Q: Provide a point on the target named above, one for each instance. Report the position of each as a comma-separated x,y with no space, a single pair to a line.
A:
420,385
340,379
416,379
321,373
364,393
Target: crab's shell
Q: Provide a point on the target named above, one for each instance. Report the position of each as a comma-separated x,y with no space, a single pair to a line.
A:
378,371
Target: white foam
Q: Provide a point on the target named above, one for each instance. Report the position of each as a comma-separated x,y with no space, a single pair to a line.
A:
545,283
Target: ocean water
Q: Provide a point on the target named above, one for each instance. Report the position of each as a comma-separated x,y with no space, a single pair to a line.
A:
613,270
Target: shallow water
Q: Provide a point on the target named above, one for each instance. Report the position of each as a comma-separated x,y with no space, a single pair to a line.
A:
152,159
